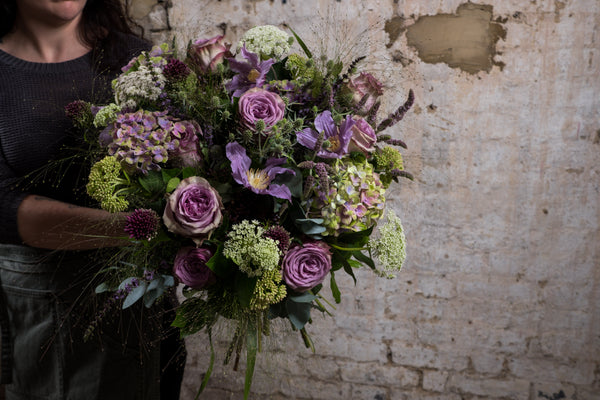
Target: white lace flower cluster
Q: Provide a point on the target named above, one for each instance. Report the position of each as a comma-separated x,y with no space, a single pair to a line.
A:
390,247
137,87
268,41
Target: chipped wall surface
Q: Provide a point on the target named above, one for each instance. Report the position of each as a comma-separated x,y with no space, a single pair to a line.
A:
500,295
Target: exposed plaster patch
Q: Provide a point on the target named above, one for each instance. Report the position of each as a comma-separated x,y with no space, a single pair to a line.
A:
394,28
465,40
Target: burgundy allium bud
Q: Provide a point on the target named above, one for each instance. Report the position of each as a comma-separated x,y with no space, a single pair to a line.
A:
78,111
176,70
281,235
142,224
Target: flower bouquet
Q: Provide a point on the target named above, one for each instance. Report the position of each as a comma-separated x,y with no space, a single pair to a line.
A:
249,180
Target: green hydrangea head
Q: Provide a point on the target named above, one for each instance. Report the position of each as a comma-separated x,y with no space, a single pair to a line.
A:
253,253
103,182
389,248
269,290
355,200
268,41
106,115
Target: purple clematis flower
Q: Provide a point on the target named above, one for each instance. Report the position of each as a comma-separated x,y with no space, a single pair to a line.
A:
257,180
337,136
250,74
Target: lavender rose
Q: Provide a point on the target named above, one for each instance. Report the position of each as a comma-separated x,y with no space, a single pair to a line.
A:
260,104
363,136
365,84
193,210
186,151
206,54
190,267
305,266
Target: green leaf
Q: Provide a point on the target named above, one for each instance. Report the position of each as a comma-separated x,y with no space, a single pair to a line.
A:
293,182
349,271
244,288
152,182
168,174
311,226
211,363
360,256
298,313
303,298
135,295
189,172
355,239
300,42
219,264
172,184
251,350
335,291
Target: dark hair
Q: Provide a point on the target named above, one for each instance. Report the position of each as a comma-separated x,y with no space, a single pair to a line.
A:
97,16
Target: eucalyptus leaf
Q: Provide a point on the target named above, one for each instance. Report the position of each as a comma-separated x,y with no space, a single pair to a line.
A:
135,295
311,226
103,287
151,295
169,281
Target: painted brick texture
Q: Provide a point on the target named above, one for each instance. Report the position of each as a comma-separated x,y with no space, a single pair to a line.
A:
500,295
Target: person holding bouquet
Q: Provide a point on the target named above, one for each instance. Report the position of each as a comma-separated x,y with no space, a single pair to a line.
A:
53,52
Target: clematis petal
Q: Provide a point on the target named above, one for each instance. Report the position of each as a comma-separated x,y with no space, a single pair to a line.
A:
240,162
324,123
279,191
308,138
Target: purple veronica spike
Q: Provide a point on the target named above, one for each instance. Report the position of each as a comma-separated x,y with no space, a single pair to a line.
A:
338,137
250,74
257,180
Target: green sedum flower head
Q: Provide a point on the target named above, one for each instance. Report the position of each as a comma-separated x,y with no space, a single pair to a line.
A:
268,41
388,159
355,199
103,183
252,252
390,247
106,115
302,69
269,290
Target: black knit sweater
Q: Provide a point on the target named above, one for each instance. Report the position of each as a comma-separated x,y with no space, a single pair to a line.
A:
34,127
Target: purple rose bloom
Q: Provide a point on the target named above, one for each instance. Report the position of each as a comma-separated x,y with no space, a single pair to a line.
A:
305,266
338,137
260,104
190,267
206,54
185,134
363,136
257,180
365,85
193,210
249,74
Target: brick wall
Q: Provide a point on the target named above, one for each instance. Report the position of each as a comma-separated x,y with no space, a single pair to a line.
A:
500,295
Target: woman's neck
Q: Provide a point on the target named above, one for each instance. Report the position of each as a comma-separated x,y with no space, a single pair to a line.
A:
43,43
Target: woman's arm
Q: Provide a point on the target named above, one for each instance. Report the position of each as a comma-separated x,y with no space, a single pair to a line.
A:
51,224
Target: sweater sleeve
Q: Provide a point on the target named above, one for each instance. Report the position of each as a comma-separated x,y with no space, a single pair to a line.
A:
10,199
